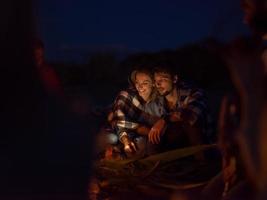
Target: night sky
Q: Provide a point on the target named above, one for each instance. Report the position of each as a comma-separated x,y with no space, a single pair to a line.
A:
72,29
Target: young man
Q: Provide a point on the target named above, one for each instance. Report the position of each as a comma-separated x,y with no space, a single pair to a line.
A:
186,112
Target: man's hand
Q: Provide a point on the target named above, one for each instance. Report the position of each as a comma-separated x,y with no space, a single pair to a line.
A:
156,132
129,145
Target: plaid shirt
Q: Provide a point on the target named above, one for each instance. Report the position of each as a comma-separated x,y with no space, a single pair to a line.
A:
129,110
192,107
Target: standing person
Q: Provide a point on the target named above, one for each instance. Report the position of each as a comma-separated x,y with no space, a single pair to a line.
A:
242,136
250,78
45,150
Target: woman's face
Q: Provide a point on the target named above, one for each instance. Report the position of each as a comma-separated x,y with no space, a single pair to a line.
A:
144,85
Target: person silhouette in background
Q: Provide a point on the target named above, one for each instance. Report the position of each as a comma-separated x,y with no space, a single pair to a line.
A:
45,149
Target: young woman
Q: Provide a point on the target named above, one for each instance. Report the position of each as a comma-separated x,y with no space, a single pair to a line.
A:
135,110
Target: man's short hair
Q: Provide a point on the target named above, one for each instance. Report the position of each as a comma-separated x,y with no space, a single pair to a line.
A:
164,68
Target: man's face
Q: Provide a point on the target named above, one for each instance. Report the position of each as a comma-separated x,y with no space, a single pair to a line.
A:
164,83
144,85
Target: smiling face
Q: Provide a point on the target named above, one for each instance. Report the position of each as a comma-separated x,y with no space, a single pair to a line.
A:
144,85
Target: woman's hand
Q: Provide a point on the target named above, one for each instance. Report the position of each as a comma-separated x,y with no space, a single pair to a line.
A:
129,145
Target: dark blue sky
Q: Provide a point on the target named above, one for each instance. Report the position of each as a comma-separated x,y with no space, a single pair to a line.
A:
71,28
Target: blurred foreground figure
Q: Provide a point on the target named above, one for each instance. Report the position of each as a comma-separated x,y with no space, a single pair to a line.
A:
45,150
243,135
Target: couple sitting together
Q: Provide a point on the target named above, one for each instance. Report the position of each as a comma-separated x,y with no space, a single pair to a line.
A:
160,111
